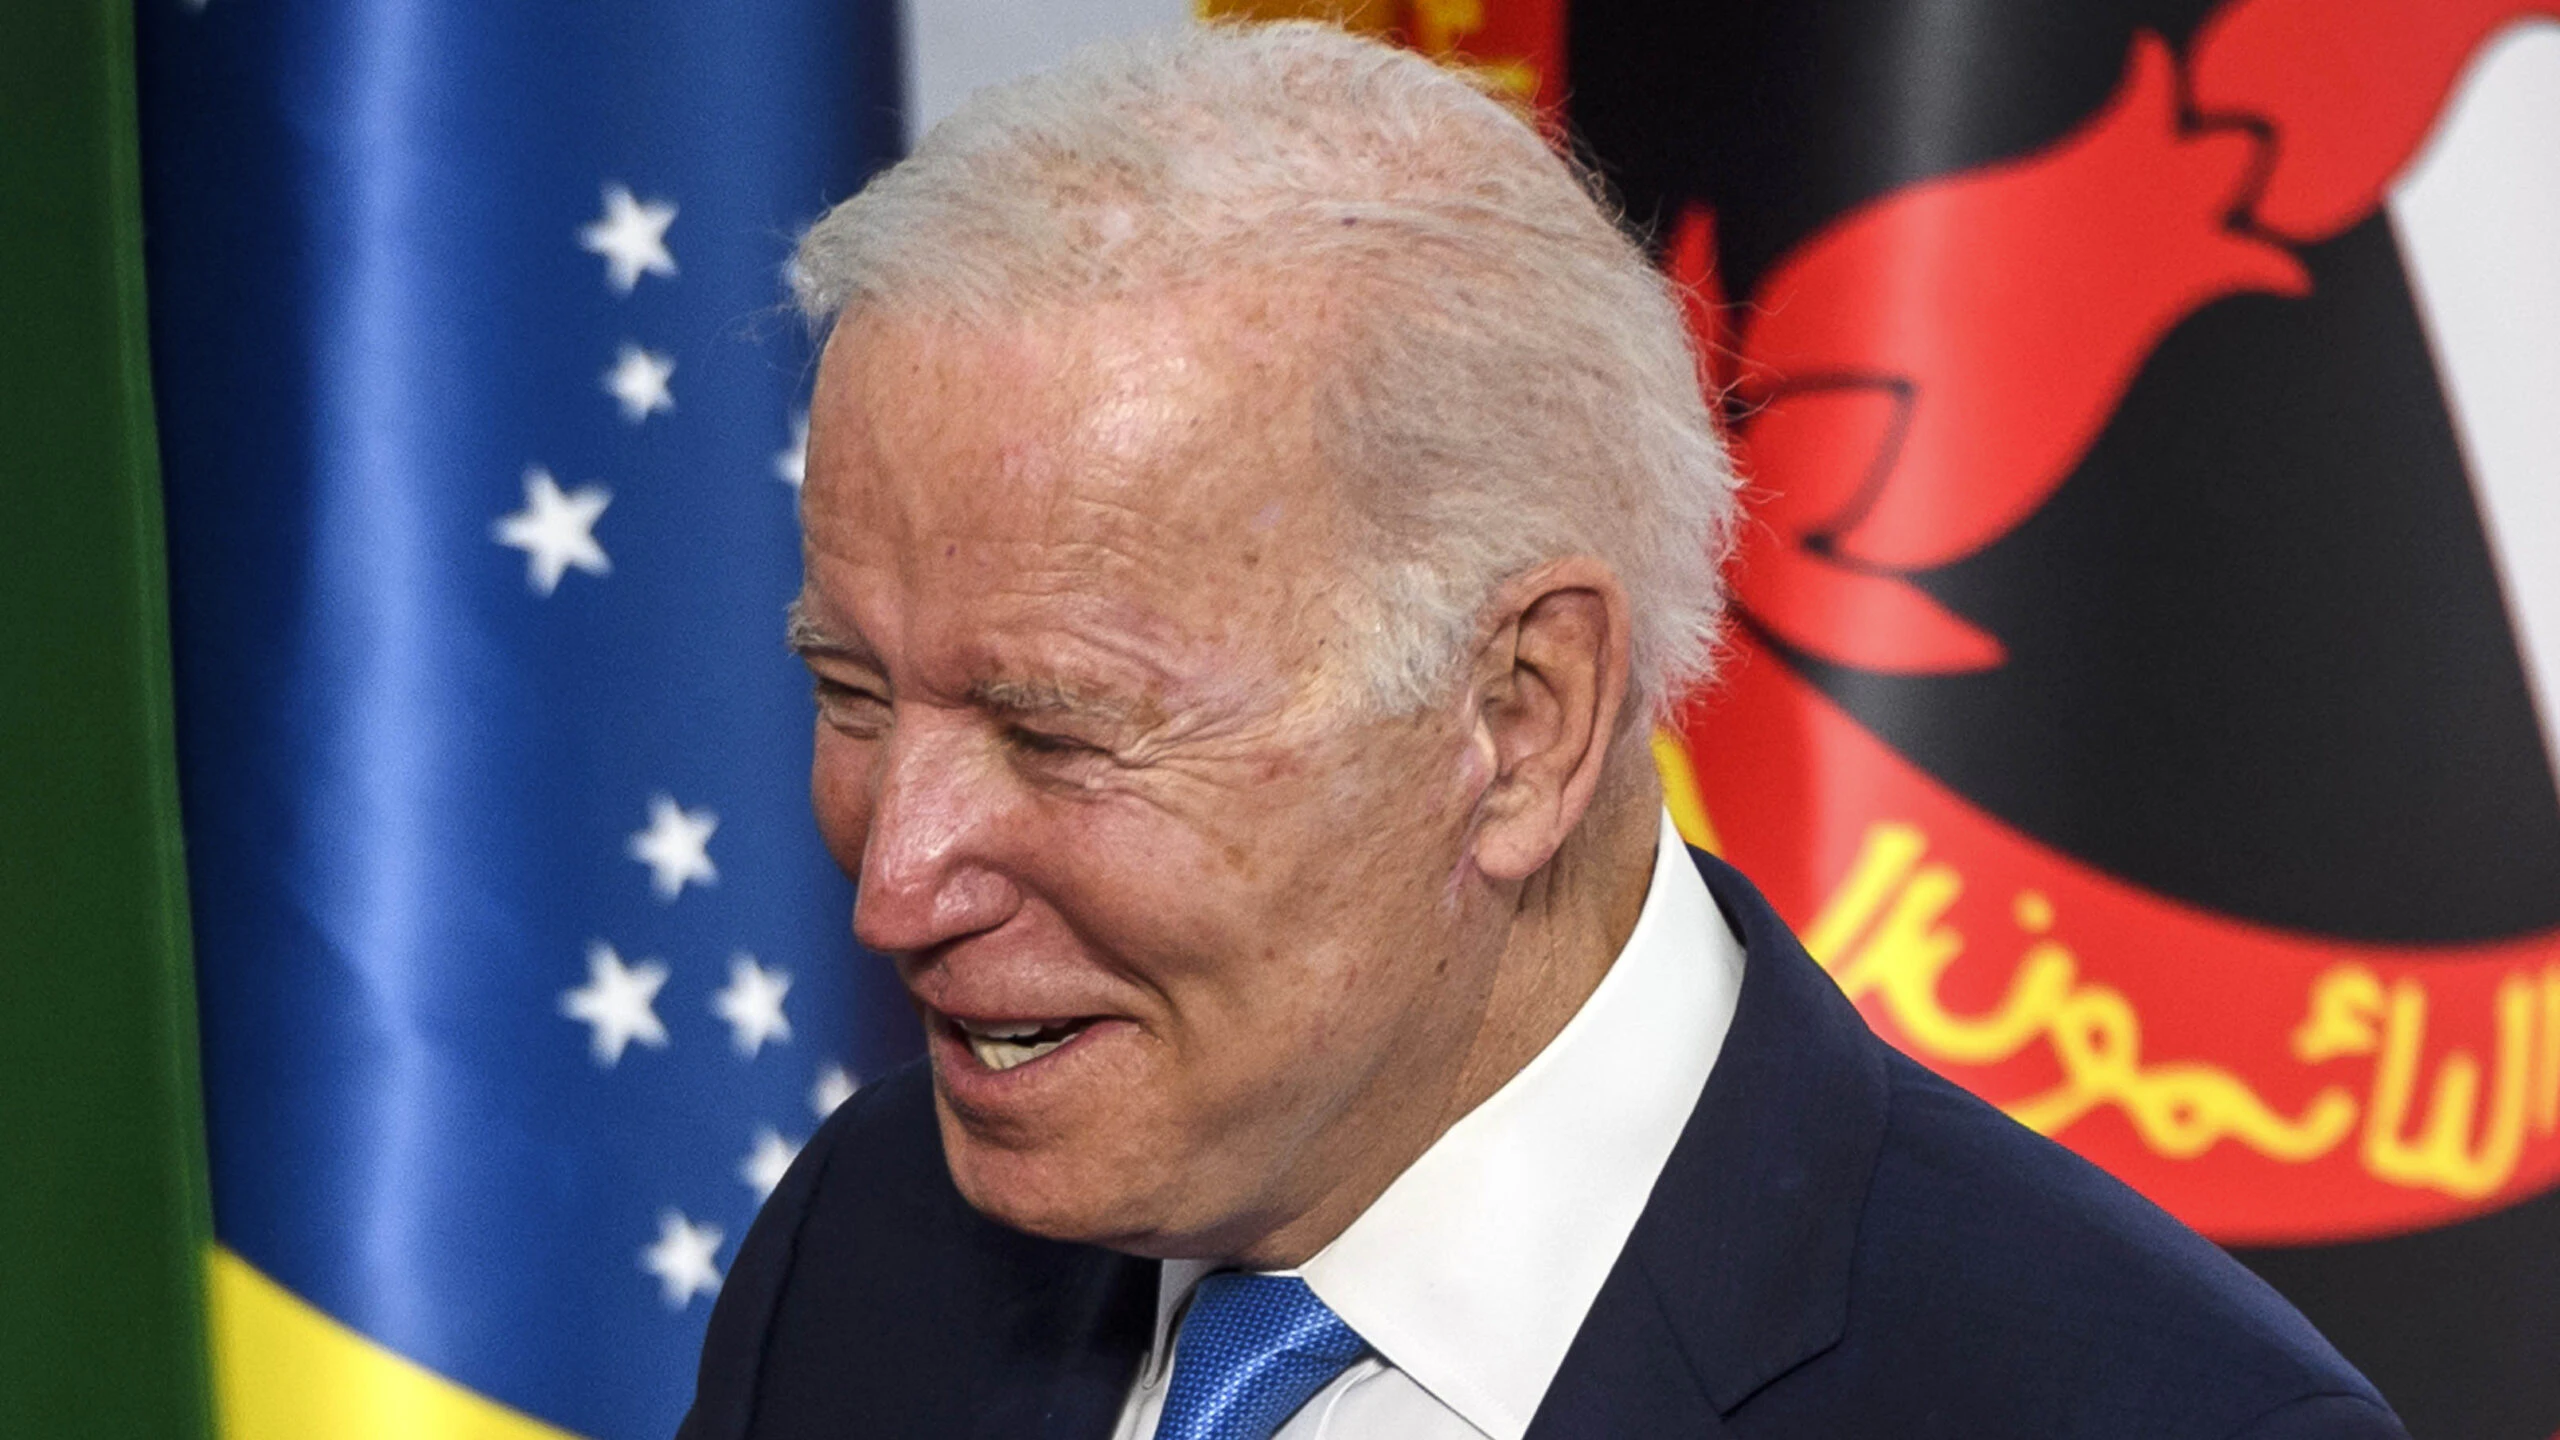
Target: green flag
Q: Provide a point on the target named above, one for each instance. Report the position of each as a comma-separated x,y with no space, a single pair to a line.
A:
103,1221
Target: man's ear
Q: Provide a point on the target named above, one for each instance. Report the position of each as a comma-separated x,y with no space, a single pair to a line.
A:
1550,684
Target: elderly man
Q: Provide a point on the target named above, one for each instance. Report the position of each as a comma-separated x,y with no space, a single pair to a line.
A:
1257,505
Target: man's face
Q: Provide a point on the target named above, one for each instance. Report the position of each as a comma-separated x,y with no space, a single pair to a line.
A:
1191,937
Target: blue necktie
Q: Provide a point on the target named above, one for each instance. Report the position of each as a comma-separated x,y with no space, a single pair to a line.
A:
1253,1348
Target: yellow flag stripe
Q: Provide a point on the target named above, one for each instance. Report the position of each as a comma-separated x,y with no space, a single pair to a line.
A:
1680,792
283,1370
1369,17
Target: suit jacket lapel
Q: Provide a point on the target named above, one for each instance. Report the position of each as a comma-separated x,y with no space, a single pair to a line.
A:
1627,1373
1738,1270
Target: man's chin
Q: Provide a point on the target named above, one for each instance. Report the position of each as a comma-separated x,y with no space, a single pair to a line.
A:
1047,1190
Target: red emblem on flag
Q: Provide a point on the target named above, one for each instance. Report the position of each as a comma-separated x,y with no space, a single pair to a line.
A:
1915,381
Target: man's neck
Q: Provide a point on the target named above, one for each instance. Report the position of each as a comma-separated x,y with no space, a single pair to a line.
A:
1568,925
1574,919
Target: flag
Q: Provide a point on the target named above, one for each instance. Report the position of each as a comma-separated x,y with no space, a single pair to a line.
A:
523,971
102,1221
2144,691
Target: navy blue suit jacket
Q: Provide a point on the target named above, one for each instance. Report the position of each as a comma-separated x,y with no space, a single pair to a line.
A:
1842,1245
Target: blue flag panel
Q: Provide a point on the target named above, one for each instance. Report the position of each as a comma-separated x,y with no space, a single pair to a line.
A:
523,970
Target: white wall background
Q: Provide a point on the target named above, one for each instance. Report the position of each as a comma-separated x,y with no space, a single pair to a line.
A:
956,46
2479,223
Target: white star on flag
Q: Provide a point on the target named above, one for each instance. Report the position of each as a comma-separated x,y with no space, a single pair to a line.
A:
835,1086
681,1259
556,531
639,380
632,238
791,466
676,847
764,1166
752,1004
618,1002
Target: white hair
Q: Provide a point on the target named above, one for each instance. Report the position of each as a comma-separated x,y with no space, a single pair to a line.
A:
1513,382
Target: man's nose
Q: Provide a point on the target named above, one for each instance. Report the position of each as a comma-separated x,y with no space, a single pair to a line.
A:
930,867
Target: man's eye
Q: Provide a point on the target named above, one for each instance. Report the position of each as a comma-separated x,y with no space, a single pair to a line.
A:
850,705
1041,742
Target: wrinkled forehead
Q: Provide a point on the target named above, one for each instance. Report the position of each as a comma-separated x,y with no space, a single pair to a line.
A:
1139,477
1180,418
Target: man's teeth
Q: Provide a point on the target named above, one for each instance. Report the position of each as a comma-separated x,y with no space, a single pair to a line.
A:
1005,1054
1001,1047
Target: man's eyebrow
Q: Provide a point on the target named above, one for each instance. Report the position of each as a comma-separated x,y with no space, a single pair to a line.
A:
807,635
1051,697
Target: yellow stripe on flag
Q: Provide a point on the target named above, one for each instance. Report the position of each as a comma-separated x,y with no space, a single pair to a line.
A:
282,1370
1680,792
1368,17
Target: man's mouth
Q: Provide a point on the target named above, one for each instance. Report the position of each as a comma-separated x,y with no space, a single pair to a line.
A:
1003,1045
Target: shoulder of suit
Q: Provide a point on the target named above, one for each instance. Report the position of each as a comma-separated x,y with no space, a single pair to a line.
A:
882,1137
870,1195
1989,1252
869,1298
875,1143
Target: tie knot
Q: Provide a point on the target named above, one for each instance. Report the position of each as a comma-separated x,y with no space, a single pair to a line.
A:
1253,1348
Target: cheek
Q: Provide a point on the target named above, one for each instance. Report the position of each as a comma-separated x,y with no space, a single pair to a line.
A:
1288,958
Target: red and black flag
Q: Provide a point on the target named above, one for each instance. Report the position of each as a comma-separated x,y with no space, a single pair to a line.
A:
2145,686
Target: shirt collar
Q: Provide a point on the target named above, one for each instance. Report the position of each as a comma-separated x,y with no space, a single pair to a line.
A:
1473,1272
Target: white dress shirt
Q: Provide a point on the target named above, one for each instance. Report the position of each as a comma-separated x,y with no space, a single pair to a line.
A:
1471,1275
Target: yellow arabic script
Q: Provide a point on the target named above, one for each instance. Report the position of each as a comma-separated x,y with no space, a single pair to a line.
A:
1883,935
